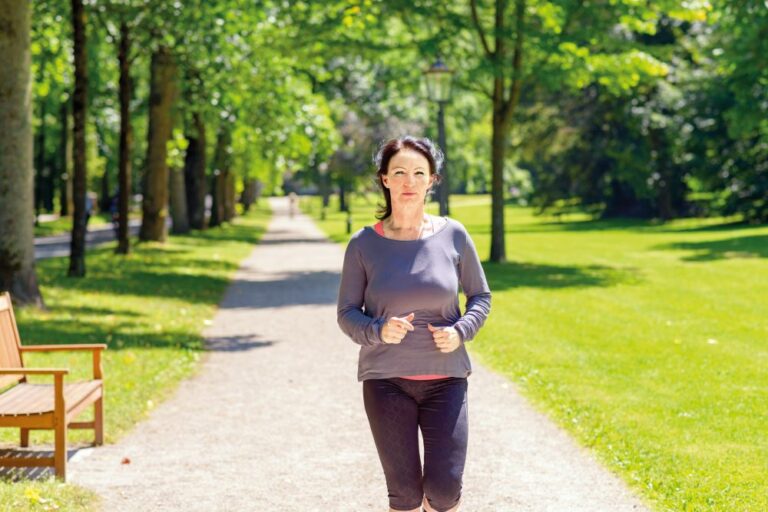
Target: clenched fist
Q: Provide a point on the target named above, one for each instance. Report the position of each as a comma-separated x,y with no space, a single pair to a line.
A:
396,328
447,339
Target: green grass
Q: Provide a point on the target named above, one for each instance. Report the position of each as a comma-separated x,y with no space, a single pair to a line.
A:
149,307
46,495
645,340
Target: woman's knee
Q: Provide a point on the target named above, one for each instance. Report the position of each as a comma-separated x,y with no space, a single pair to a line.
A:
404,493
443,492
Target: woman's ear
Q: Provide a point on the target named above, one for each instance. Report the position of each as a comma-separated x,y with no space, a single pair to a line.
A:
384,180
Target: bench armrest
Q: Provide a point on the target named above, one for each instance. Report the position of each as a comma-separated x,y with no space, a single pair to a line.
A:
58,348
33,371
95,348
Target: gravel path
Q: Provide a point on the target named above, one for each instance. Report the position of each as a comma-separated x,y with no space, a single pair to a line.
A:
274,420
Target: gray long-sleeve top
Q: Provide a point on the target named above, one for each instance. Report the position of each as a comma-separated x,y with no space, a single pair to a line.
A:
383,277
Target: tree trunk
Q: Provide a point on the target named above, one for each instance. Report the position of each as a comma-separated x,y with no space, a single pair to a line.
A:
17,250
161,98
218,188
79,106
325,189
217,196
105,194
39,166
126,142
342,196
65,161
248,196
43,175
229,196
178,202
498,139
194,174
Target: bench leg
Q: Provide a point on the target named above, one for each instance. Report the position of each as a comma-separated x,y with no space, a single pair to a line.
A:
98,422
24,437
60,453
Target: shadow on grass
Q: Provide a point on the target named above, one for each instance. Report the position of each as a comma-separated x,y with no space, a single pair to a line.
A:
553,226
150,272
502,276
729,248
119,335
199,288
617,224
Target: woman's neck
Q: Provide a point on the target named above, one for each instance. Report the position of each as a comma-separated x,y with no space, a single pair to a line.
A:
405,220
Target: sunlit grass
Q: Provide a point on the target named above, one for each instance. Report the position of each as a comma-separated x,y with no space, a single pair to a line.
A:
149,307
36,496
645,340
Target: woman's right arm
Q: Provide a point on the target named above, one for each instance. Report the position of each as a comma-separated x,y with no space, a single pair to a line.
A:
353,321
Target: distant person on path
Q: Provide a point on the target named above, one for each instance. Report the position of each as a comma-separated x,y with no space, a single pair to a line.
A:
88,209
398,299
293,201
114,213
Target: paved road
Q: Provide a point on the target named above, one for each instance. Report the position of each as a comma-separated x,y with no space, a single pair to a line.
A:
274,420
58,245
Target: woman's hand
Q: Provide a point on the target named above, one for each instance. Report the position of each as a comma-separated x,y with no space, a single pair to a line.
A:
395,329
447,339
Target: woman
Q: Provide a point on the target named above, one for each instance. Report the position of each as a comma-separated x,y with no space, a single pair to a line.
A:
399,299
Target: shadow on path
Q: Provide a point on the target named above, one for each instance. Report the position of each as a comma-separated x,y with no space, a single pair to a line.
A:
32,473
235,343
288,289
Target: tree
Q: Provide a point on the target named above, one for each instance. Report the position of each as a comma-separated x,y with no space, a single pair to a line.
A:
162,95
80,103
17,250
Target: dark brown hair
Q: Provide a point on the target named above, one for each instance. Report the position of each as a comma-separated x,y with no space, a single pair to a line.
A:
390,148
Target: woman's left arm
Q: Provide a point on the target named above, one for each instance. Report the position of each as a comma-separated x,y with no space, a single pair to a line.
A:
475,286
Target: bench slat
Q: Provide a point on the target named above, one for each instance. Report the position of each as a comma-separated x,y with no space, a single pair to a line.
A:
28,399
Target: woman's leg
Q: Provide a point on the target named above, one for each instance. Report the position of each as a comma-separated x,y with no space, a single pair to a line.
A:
428,508
393,417
444,427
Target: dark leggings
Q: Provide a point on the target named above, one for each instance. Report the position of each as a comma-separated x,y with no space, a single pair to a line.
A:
396,408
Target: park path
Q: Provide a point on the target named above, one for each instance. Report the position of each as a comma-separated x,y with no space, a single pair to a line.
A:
274,419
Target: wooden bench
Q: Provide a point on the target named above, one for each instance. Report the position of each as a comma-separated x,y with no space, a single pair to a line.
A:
44,406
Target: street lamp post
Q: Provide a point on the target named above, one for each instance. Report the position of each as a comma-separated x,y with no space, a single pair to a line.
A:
439,79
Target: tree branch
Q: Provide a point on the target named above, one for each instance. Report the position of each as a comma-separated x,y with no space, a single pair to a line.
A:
474,85
479,28
517,62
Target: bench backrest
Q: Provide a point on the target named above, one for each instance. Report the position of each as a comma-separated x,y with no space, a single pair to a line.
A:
10,355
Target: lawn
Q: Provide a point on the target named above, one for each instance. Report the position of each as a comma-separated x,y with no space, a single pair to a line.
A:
645,340
150,308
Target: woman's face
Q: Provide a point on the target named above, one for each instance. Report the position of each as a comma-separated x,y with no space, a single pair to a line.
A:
408,178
